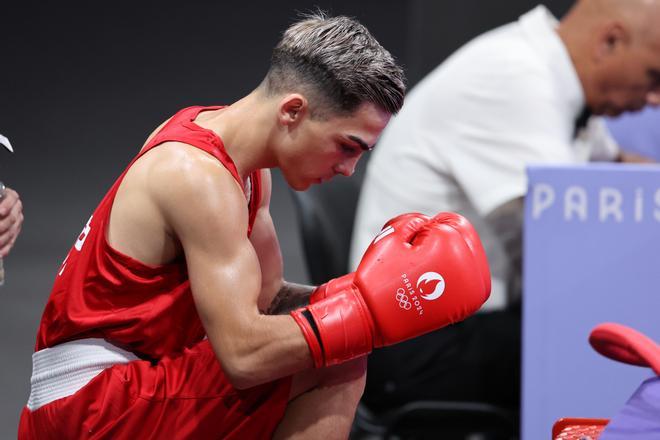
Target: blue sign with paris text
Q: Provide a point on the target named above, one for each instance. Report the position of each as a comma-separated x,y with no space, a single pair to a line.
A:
591,255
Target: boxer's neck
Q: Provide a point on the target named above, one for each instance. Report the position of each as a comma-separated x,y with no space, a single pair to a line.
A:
244,128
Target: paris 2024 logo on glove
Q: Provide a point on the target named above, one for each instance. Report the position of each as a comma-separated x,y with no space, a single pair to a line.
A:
430,286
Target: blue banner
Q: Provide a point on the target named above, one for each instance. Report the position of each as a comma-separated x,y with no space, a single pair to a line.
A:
591,255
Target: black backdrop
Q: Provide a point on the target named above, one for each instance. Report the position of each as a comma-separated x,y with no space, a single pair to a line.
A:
82,85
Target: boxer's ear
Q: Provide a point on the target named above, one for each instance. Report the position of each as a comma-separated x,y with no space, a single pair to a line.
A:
292,109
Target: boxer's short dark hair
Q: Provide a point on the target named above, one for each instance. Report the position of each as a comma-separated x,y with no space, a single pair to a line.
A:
338,64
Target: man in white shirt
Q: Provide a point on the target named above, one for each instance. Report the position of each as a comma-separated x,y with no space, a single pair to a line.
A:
522,93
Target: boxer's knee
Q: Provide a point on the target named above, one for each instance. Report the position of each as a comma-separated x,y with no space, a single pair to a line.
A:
349,377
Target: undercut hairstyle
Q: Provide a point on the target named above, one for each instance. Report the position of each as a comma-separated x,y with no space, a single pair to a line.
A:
337,64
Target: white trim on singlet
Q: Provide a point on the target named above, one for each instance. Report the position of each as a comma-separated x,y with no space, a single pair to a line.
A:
62,370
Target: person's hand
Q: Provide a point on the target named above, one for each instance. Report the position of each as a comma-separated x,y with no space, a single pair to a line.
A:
11,220
630,157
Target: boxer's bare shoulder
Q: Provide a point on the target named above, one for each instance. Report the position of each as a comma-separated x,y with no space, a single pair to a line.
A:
163,187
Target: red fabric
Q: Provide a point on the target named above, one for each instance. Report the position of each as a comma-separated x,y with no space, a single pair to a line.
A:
100,292
578,429
148,310
625,344
182,397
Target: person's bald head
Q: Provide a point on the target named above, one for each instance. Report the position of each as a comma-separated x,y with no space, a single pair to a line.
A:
615,47
640,16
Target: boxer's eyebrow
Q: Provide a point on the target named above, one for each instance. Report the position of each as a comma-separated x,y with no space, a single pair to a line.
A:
360,142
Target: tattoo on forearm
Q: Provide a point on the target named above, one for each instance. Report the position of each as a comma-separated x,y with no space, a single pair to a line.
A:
290,297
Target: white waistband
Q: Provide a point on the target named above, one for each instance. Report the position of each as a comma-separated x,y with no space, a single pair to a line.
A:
62,370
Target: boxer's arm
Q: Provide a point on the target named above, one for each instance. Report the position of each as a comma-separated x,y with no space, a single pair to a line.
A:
205,208
290,297
277,295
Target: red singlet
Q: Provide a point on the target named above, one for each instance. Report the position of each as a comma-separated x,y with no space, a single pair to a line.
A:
179,390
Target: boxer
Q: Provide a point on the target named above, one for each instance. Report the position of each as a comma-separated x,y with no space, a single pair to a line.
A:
170,318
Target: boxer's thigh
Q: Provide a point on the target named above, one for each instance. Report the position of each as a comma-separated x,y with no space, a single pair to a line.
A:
184,396
351,372
189,396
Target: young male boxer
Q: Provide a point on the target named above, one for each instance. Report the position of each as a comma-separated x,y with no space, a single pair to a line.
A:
183,247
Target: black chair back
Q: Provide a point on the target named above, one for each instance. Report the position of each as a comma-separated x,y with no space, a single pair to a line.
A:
326,218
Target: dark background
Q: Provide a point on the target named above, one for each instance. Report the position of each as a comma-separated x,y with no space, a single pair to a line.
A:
83,84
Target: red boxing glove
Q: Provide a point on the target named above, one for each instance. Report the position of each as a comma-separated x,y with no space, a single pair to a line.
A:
331,287
344,282
419,274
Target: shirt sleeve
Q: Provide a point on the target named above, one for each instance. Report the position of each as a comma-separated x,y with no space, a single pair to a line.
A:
494,126
603,147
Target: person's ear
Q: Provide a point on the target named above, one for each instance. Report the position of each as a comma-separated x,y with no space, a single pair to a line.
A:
292,109
610,40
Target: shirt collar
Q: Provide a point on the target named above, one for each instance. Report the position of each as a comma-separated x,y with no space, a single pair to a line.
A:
540,28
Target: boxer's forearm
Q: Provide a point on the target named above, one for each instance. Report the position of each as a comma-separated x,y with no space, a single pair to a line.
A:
291,296
255,349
